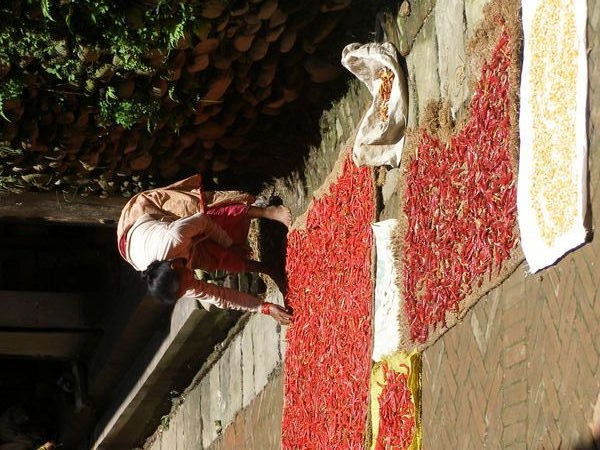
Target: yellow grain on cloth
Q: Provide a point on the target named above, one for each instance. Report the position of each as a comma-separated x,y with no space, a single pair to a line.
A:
552,196
399,362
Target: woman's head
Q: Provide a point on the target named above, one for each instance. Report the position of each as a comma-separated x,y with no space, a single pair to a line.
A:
162,280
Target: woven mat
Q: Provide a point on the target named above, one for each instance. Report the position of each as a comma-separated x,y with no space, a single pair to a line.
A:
408,364
433,301
330,287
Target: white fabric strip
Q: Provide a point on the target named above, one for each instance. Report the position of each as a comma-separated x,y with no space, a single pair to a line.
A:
552,195
386,332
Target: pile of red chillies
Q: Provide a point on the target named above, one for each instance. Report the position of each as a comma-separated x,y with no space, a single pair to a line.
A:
460,204
396,412
328,358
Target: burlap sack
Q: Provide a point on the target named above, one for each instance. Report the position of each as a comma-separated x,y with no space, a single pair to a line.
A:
378,142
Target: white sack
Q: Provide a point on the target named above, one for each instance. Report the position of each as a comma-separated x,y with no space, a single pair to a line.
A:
544,239
378,142
386,329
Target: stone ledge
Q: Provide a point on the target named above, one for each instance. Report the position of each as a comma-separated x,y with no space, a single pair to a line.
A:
230,380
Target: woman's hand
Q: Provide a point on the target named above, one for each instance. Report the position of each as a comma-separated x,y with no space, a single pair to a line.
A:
282,315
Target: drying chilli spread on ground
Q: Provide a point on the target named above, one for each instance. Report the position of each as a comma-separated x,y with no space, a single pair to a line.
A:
460,204
396,412
328,359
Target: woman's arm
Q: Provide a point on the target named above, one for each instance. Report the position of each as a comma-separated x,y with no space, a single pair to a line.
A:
226,298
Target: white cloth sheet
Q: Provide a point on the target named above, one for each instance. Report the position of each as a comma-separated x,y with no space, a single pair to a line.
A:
569,161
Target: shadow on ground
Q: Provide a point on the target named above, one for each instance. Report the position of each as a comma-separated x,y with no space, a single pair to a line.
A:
272,243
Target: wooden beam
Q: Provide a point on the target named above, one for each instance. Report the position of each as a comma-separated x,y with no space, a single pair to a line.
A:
42,344
60,207
35,310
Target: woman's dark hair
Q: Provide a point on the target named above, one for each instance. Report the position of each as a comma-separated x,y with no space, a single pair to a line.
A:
162,281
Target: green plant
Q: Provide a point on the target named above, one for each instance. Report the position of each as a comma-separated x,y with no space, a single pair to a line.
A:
7,151
76,60
129,55
97,9
68,70
11,184
9,90
126,113
165,421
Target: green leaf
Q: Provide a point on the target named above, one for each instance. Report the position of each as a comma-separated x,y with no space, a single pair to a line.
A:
46,9
7,152
9,90
39,180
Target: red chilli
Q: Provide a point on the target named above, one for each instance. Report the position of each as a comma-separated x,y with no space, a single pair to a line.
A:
396,413
460,204
328,358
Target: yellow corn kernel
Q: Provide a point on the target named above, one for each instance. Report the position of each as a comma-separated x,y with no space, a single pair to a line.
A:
553,85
